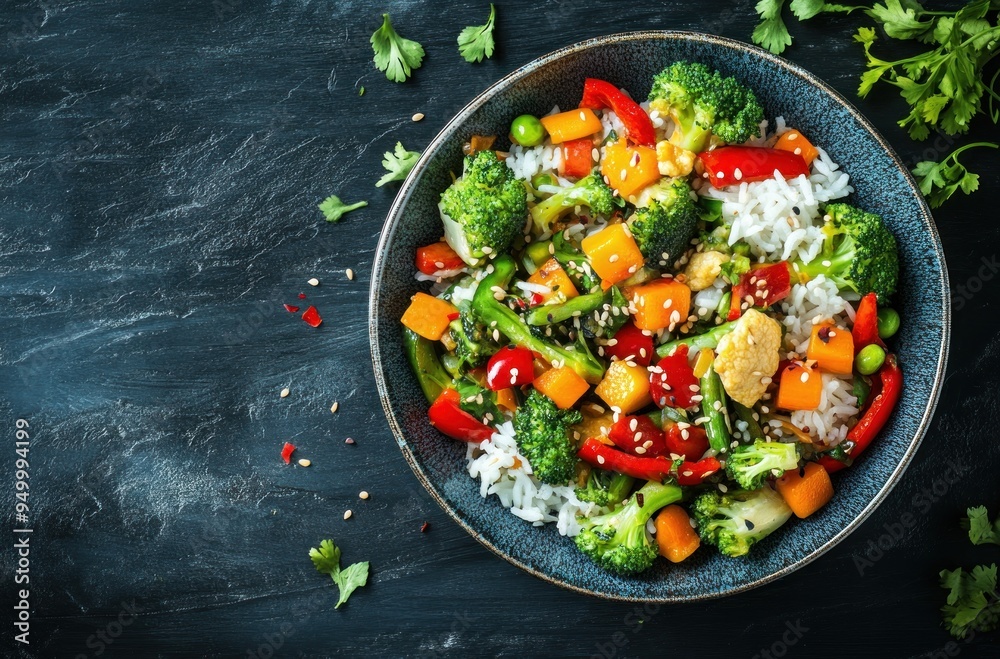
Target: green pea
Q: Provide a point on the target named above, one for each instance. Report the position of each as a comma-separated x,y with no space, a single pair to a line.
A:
888,322
870,359
527,130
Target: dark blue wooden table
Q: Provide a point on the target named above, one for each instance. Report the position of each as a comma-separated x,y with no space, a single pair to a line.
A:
160,166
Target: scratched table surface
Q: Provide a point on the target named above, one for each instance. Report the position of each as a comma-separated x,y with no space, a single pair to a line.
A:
160,167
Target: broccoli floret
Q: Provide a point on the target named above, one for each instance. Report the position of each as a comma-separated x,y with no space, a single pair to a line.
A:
473,344
484,210
591,192
492,312
605,488
666,220
703,104
617,540
859,252
545,439
751,464
736,521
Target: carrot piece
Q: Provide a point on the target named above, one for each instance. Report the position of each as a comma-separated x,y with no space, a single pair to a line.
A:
805,490
800,388
614,256
507,399
428,316
552,275
675,535
629,169
797,143
577,157
625,387
571,125
661,303
832,348
562,385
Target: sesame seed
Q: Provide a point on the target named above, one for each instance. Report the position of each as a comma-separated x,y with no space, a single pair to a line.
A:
738,174
750,339
418,116
284,392
633,424
362,494
583,115
696,399
687,472
719,175
675,316
304,463
350,274
765,380
349,440
552,248
647,444
347,514
595,154
624,174
487,249
640,450
600,459
613,258
638,437
693,387
667,303
798,151
334,407
313,282
805,376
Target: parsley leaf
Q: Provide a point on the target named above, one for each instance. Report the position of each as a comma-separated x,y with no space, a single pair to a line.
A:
398,164
938,181
771,32
901,22
972,603
327,560
334,209
981,531
476,41
806,9
394,55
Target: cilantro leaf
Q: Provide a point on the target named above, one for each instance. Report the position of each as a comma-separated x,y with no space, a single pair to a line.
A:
327,560
771,32
981,530
901,22
334,209
938,181
398,164
394,55
476,41
972,603
806,9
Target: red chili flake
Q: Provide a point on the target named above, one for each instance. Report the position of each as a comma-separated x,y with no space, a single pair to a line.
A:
286,452
302,296
311,316
290,309
824,334
424,527
454,316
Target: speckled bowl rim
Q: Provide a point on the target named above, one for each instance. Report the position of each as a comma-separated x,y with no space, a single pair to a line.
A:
393,220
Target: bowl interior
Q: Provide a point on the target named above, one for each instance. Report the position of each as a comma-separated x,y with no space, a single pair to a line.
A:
881,185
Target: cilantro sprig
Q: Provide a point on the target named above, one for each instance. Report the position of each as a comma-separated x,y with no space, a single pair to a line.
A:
394,55
973,602
327,560
938,181
333,208
397,163
981,530
772,33
476,41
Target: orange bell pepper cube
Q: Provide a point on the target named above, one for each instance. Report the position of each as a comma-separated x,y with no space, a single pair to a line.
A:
832,348
428,316
625,387
552,275
571,125
629,169
797,143
800,388
577,157
661,303
805,490
562,385
613,254
675,536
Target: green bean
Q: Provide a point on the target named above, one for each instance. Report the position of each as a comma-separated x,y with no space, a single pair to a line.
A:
713,394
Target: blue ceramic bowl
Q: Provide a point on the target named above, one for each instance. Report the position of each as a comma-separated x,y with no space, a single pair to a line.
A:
882,185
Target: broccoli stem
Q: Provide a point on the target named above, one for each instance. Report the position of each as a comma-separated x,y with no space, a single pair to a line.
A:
654,497
717,428
556,313
498,315
744,413
425,363
709,339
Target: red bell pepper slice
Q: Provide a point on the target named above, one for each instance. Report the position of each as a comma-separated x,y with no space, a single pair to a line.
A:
730,165
291,308
690,442
312,318
671,383
638,435
693,473
606,457
865,330
511,366
764,284
600,94
446,415
286,452
577,157
882,404
436,257
630,342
